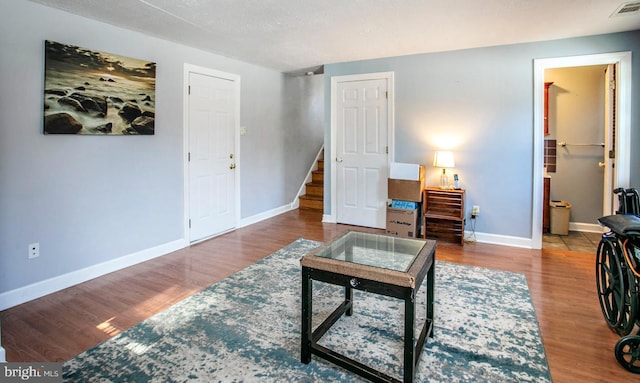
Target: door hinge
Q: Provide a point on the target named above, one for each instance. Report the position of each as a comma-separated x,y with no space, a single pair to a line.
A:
612,84
386,94
189,223
386,149
189,157
189,90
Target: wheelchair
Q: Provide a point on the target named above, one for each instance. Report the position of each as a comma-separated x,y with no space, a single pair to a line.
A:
618,277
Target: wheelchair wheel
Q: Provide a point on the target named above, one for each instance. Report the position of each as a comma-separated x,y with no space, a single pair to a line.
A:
610,282
628,353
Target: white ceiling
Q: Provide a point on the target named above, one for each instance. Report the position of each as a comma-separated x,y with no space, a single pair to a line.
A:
301,35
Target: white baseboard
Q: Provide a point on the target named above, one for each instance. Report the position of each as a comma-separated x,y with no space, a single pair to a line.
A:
527,243
39,289
503,240
267,214
495,239
586,227
3,354
328,218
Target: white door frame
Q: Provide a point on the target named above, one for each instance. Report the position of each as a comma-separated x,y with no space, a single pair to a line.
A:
189,68
623,143
610,109
334,127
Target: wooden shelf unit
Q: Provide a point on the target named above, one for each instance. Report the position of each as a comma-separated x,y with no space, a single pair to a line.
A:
443,214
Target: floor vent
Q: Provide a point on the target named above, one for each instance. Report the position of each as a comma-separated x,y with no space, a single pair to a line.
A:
626,9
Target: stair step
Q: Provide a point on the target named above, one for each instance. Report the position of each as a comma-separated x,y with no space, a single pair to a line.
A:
311,202
315,189
314,197
317,176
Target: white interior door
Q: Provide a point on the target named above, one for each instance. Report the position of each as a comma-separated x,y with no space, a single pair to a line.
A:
609,139
211,124
362,152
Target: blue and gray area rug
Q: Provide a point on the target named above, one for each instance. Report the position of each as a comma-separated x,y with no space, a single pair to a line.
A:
246,328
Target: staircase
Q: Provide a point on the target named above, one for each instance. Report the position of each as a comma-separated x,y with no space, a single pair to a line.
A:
314,197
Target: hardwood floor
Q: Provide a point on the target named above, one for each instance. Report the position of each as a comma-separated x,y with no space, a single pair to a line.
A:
578,344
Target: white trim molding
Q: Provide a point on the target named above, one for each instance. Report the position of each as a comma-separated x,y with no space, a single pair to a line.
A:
267,214
586,227
502,240
3,354
39,289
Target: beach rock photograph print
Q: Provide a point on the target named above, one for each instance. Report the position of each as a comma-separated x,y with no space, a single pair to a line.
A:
88,92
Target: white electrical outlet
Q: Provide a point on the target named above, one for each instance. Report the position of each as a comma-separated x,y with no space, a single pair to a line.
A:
34,250
475,211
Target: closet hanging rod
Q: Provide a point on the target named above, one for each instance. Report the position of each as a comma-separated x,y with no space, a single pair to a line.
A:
563,144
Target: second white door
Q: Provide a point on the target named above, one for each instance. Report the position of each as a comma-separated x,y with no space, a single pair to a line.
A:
362,152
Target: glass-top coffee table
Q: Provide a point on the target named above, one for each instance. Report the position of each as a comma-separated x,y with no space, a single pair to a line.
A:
391,266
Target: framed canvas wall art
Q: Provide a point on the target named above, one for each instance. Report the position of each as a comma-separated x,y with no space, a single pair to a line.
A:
88,92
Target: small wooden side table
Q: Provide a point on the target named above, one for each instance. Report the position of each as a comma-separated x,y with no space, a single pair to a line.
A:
443,214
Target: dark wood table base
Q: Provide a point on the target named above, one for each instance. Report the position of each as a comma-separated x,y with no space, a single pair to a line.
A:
309,339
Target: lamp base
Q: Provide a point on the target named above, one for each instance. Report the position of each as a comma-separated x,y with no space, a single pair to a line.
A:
444,180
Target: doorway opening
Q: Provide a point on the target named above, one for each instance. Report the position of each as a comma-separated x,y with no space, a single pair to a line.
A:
575,148
621,172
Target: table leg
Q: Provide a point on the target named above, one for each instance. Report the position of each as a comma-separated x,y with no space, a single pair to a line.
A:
348,298
305,336
409,322
430,296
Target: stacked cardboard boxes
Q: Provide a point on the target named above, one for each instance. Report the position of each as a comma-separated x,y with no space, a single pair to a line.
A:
404,188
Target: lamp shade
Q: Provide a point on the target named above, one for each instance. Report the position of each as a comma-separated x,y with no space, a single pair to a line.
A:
443,160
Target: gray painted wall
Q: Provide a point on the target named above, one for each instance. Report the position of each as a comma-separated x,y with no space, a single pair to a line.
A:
481,100
90,199
305,123
576,116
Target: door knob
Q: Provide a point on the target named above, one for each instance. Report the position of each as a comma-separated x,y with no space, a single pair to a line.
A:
601,164
232,166
339,159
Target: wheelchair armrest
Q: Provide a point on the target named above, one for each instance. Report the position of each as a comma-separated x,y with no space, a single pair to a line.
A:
621,223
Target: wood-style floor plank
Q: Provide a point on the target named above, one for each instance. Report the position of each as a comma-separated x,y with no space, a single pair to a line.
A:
577,341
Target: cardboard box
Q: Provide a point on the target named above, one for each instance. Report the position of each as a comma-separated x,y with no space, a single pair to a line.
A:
406,189
402,222
401,204
409,172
